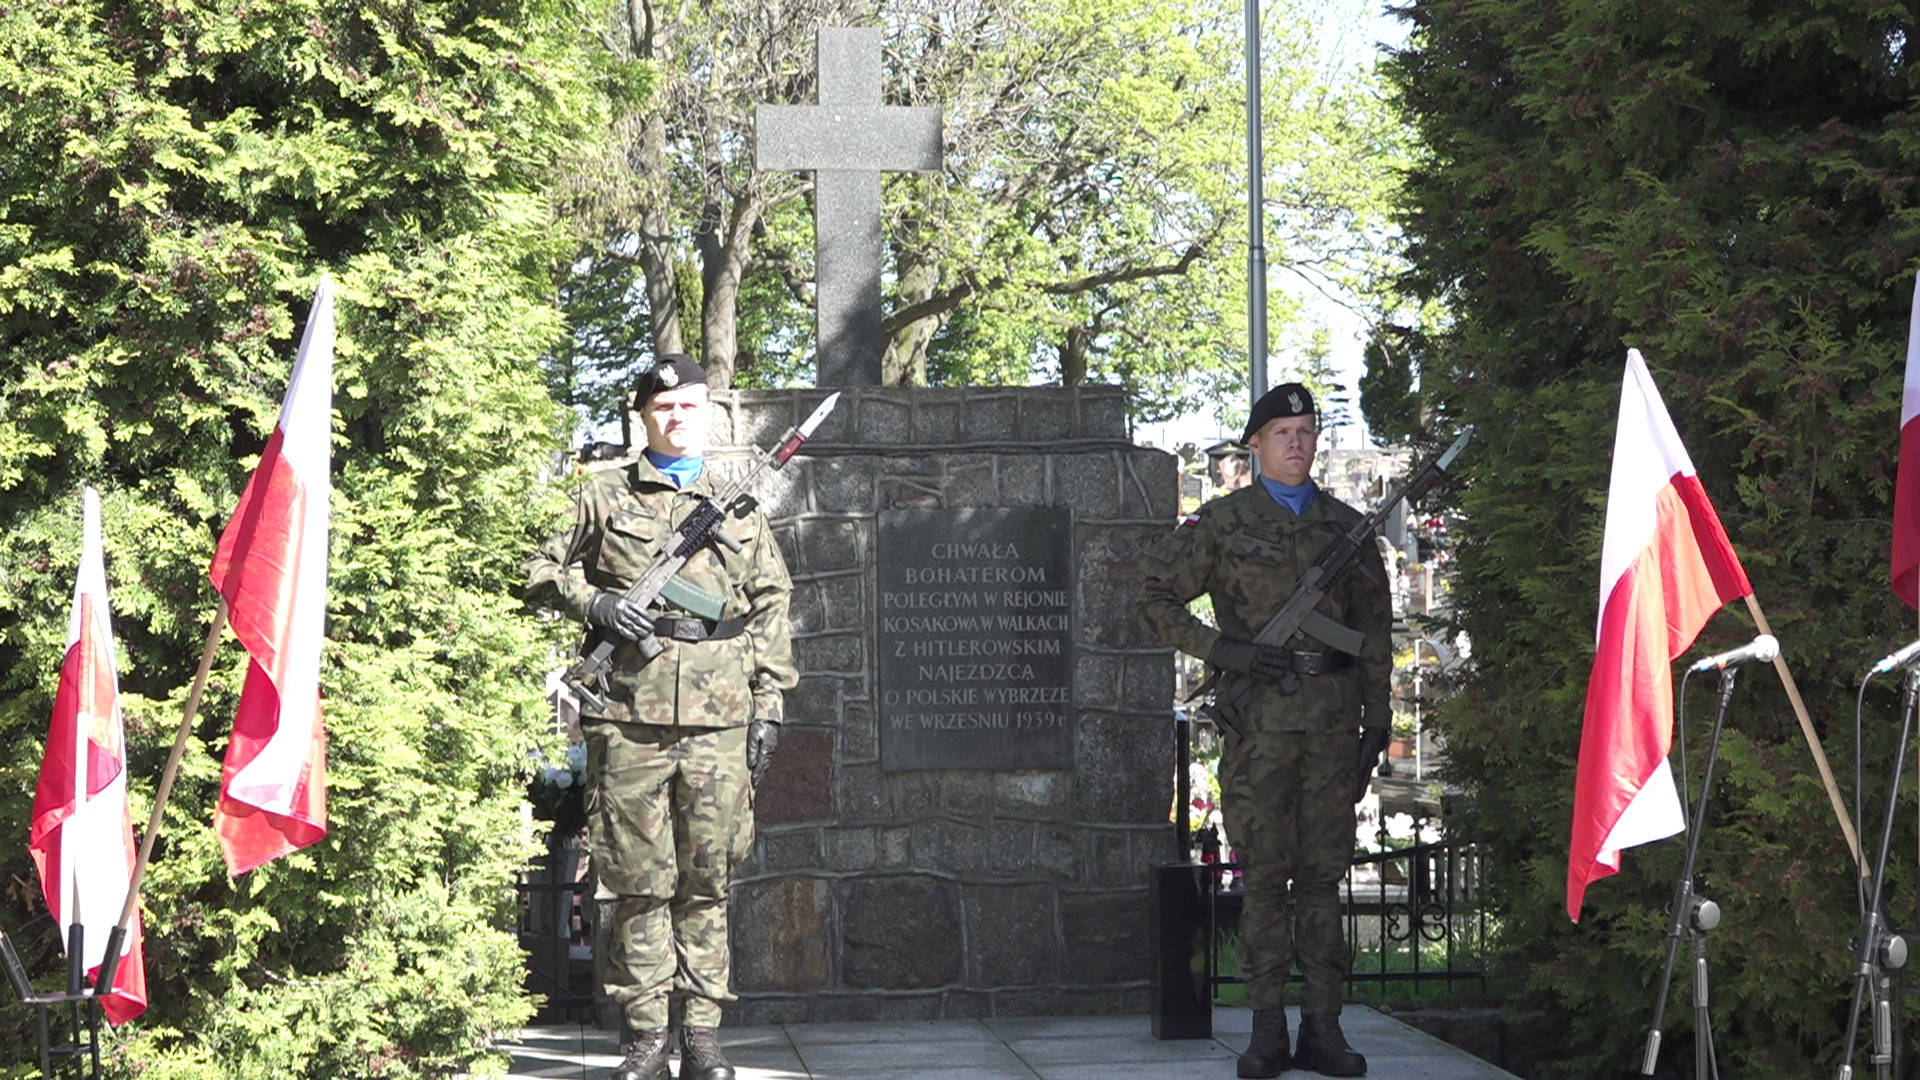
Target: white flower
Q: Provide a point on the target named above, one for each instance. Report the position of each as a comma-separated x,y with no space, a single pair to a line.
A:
1400,826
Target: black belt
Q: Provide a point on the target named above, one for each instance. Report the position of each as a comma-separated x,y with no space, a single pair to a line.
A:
699,629
1319,663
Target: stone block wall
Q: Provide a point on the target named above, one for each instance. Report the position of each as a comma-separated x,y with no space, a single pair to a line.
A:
954,893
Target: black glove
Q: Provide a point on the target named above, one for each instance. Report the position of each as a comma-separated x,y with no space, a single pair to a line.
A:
614,612
762,737
1268,663
1373,743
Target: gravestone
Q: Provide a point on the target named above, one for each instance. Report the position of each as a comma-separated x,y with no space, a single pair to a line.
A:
976,770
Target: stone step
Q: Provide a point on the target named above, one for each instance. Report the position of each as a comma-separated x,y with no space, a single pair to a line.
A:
1022,1048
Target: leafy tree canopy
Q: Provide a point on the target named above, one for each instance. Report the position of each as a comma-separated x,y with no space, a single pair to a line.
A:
1090,221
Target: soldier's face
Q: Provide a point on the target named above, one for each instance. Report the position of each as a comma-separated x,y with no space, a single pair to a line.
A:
1286,447
676,421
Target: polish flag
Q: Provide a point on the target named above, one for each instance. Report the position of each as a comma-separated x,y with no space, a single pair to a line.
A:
1665,567
271,566
1906,484
82,830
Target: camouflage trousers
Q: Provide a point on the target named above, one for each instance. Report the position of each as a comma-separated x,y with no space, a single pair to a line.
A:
671,814
1287,801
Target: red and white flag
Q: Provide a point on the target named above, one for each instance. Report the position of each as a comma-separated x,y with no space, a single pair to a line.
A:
1666,566
82,830
271,566
1906,484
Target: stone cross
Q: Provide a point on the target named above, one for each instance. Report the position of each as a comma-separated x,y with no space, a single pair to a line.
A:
847,141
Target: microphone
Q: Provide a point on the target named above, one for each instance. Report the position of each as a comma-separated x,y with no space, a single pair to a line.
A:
1763,648
1895,660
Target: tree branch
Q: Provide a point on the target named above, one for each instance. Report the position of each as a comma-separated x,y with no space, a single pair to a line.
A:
1117,277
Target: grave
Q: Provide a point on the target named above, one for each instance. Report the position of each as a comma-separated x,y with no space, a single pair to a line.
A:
976,769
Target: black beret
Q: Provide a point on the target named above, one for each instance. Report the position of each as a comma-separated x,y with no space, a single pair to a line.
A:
670,371
1287,399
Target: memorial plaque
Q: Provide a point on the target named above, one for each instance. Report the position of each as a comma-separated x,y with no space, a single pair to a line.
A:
976,638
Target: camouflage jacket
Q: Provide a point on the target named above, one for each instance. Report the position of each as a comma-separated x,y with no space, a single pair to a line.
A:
1247,552
621,520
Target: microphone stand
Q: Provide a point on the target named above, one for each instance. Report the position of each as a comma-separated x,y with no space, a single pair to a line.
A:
1877,949
1696,914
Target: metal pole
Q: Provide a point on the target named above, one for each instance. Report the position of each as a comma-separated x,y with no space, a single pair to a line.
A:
1256,218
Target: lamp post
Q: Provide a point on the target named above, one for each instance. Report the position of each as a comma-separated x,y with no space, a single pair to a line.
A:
1256,218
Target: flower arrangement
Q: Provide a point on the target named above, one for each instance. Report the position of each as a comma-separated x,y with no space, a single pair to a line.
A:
559,793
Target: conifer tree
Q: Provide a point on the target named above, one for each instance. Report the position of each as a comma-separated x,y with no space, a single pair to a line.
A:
172,181
1729,188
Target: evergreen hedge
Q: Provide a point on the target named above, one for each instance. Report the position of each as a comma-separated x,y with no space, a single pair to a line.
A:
1730,188
172,181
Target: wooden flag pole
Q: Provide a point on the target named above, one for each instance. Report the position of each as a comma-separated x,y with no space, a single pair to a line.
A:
1813,741
166,782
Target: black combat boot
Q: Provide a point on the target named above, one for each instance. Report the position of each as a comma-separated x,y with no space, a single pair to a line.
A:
1266,1055
700,1056
1323,1048
646,1056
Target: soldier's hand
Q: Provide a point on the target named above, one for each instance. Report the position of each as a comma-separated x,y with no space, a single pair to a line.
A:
1265,662
614,612
1373,743
762,737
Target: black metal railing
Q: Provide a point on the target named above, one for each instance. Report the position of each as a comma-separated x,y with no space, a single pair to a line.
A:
1420,919
1413,915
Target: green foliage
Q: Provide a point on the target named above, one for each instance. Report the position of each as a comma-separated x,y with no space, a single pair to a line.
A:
1088,224
1728,188
173,181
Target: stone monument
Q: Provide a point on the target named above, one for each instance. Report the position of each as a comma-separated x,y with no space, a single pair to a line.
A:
976,771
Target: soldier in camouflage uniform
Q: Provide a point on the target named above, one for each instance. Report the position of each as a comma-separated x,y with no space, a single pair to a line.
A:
673,756
1288,787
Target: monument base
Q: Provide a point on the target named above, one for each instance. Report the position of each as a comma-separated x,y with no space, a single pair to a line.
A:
1006,887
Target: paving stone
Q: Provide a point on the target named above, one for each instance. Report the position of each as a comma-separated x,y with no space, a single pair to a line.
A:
1037,1046
962,1031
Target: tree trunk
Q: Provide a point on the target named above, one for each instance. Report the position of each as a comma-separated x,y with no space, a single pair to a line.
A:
1073,356
724,258
647,37
905,362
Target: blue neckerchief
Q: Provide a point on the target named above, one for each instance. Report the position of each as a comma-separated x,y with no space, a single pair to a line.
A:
681,470
1294,497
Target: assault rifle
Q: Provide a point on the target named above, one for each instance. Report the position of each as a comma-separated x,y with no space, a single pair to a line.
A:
1298,615
588,675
